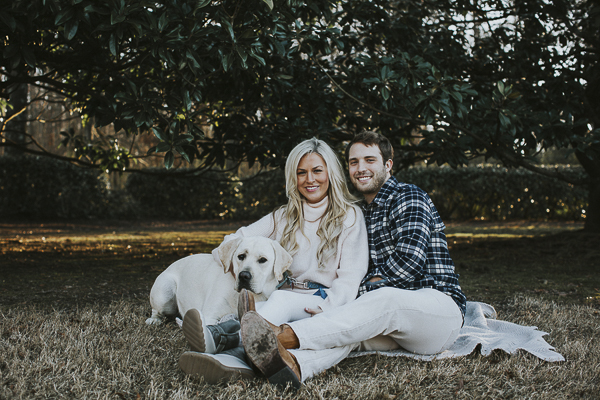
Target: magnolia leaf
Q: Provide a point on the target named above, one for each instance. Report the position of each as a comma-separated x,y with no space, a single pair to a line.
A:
117,18
8,20
29,57
258,58
162,147
64,15
501,87
385,93
158,132
269,3
112,45
202,3
71,29
504,120
169,160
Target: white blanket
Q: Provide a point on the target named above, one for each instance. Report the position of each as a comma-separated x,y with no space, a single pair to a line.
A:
482,328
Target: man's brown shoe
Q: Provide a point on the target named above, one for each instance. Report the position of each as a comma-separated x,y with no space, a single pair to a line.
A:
266,352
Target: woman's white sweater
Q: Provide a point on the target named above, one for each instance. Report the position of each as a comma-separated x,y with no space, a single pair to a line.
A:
342,274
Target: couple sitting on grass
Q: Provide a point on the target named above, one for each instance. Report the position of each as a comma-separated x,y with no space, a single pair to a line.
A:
393,254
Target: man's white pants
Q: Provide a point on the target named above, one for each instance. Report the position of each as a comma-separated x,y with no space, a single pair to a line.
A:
424,321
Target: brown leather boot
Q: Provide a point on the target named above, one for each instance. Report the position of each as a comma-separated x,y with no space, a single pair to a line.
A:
286,335
245,303
267,353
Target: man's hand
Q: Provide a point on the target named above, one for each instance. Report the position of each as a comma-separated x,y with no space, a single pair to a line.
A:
313,311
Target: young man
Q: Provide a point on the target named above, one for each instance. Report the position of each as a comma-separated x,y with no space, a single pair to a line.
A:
410,297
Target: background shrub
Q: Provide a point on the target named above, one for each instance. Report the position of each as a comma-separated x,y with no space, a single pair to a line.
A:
206,196
39,187
261,195
495,193
172,196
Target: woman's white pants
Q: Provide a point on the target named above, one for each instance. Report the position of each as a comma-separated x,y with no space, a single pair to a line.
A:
284,306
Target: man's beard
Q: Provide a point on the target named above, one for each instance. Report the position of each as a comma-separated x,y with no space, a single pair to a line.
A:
376,183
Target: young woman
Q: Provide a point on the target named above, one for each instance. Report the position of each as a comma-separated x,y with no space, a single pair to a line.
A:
325,234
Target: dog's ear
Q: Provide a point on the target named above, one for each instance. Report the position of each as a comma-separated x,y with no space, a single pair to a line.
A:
226,250
283,260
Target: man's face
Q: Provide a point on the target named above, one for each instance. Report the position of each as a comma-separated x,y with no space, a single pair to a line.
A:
367,170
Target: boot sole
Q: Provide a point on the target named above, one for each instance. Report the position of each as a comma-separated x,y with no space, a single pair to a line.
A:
205,366
260,343
194,331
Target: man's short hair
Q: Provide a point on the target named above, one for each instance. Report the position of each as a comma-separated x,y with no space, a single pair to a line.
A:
370,138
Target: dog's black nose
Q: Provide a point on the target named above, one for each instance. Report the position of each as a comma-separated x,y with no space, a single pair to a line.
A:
245,276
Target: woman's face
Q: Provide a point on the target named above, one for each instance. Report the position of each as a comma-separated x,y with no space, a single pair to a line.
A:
313,178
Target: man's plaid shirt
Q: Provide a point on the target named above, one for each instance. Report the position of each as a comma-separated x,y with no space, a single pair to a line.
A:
407,243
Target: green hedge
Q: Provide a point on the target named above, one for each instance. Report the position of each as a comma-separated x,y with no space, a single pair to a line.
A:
490,193
261,195
40,188
206,196
495,193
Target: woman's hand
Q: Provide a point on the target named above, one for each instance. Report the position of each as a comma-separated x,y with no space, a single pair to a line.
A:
313,311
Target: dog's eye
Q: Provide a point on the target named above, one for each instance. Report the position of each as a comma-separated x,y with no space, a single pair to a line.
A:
262,260
242,257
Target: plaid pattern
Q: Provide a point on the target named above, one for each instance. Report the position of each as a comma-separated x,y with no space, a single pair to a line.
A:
407,243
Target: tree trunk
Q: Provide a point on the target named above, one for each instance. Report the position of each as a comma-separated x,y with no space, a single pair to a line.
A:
16,128
591,164
592,219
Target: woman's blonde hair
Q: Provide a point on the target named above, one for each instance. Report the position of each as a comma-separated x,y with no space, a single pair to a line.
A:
339,204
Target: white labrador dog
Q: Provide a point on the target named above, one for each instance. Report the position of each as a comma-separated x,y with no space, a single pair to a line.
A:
253,263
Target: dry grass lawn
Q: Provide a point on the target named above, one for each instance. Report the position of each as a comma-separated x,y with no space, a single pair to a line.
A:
80,333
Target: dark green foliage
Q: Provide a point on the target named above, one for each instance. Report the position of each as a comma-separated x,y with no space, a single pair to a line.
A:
493,193
261,78
217,83
38,187
172,69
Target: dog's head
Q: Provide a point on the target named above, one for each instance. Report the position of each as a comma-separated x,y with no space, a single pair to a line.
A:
257,263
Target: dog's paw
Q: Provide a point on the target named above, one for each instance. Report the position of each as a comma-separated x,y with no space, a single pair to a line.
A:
154,321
